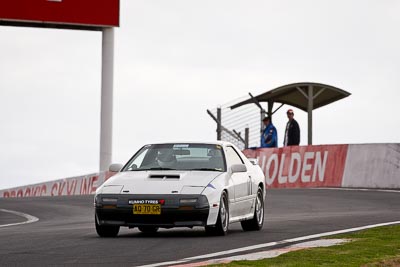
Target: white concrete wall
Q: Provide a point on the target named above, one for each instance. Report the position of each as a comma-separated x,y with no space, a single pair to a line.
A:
372,166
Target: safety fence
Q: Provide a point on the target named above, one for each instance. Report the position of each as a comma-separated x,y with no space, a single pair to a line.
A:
240,126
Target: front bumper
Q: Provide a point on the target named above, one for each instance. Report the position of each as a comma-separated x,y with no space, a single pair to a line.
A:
173,212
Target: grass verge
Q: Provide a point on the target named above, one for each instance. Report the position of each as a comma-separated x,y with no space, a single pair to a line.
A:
372,248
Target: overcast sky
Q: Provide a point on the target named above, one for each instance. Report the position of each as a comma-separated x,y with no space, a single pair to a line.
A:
175,59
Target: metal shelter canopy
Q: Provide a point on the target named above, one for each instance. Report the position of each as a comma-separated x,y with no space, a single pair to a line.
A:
306,96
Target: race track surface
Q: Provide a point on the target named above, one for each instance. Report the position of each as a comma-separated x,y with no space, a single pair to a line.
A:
65,233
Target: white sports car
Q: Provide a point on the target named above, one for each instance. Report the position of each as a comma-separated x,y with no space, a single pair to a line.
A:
182,185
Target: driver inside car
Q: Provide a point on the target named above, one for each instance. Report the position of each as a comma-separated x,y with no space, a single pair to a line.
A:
166,158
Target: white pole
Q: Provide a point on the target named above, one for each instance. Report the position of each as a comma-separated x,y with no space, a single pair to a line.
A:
310,111
107,73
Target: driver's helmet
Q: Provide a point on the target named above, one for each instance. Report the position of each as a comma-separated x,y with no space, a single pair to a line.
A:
166,158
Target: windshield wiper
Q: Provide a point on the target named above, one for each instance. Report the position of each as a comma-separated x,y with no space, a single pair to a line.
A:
207,169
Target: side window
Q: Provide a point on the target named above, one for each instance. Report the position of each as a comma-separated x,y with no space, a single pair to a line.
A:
232,156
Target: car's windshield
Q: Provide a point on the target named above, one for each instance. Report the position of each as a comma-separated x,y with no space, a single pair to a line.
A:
179,156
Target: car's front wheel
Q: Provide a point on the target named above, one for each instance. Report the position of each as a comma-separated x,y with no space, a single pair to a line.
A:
222,225
257,222
106,230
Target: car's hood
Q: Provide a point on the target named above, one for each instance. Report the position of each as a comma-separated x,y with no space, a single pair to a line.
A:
158,182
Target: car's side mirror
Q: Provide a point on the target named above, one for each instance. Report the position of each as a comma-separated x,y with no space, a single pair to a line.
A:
116,167
238,168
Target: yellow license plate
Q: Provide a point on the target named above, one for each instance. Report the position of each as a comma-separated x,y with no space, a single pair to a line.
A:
153,209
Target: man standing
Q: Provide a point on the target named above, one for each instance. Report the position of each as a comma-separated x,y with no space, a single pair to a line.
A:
269,138
292,132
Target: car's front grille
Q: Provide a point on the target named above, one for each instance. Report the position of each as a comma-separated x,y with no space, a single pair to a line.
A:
168,217
173,212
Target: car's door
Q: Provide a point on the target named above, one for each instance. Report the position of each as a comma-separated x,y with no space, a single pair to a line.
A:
242,185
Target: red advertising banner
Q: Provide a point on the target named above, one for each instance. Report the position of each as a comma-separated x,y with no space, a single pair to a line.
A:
301,166
97,13
81,185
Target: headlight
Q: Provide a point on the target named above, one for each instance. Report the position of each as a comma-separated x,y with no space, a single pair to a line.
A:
109,200
198,202
188,200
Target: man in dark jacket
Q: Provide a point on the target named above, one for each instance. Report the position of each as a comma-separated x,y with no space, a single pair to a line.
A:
292,132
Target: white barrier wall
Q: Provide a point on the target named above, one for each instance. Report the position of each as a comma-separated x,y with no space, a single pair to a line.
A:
372,166
360,166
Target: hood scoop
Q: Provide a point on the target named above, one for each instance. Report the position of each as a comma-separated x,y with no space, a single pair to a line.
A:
164,176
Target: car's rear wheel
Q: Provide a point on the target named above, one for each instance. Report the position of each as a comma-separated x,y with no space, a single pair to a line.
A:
148,229
222,225
106,230
257,222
